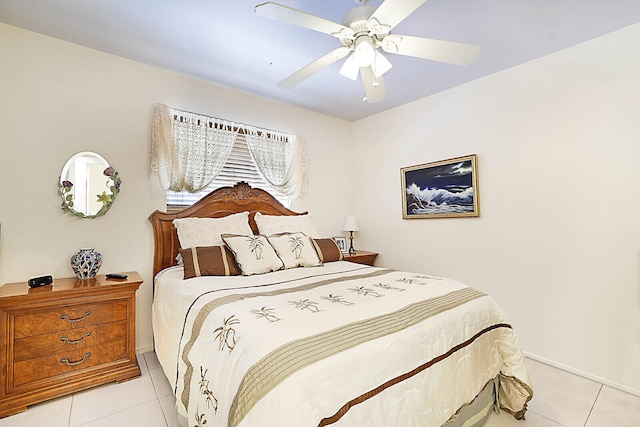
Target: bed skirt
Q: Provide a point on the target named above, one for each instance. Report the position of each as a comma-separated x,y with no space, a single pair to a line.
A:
475,413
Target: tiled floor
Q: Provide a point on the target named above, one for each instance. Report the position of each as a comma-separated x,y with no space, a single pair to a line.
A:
560,399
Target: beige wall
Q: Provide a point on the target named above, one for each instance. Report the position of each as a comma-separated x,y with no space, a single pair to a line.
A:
57,99
557,242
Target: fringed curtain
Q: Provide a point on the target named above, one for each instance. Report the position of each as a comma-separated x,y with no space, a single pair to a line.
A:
280,158
188,150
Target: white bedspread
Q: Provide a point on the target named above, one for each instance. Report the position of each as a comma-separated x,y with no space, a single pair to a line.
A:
343,344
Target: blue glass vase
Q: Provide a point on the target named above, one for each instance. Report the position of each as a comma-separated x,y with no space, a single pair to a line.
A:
86,263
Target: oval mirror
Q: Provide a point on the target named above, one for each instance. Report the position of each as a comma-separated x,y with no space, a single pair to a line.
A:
88,185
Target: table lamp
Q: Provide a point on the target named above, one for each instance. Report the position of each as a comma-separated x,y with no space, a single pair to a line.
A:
351,225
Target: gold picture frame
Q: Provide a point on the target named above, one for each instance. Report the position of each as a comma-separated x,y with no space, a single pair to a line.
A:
442,189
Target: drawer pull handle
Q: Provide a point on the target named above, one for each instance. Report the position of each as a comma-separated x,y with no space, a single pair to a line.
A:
66,361
67,340
68,319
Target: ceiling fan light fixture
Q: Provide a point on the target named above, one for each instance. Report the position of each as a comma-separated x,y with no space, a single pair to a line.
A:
350,68
380,64
364,53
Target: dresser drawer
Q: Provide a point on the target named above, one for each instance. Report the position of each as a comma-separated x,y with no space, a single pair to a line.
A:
69,339
72,361
68,317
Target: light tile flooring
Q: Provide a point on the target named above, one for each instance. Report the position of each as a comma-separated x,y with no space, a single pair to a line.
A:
561,399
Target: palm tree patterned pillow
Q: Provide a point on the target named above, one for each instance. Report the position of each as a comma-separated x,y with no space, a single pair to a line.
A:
295,250
253,253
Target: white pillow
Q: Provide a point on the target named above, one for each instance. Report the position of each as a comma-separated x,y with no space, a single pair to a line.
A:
295,250
254,254
193,232
277,224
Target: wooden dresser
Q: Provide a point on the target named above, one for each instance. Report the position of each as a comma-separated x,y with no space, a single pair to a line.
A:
65,337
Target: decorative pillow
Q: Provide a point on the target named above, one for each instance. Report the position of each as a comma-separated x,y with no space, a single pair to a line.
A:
277,224
193,232
295,250
253,254
328,250
208,261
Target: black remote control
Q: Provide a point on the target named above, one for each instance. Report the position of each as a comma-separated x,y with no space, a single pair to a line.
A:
116,276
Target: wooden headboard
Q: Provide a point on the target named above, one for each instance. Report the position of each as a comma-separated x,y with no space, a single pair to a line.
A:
221,202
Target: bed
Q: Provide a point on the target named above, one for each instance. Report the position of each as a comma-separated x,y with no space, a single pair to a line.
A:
319,341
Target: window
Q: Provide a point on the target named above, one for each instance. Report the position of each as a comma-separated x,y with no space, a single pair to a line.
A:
239,167
188,150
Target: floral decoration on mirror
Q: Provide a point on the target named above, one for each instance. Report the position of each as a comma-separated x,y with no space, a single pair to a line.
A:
65,190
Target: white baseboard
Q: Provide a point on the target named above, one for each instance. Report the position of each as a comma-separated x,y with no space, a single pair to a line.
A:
583,374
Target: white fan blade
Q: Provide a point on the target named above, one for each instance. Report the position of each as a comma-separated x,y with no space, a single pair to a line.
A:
302,19
314,67
350,68
392,12
374,89
436,50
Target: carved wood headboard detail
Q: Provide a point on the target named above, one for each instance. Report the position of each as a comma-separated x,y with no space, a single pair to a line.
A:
221,202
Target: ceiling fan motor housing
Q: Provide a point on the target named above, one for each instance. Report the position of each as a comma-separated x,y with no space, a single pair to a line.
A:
360,13
357,19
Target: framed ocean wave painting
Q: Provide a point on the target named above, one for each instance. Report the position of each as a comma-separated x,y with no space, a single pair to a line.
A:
443,189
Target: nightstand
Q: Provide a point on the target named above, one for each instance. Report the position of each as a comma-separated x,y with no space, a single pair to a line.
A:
361,257
65,337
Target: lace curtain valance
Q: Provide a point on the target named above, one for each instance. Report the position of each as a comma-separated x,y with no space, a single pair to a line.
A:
189,150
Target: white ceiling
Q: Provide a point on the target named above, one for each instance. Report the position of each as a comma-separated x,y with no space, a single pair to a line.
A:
224,42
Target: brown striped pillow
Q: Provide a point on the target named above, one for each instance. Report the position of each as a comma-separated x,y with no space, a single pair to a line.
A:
328,250
208,261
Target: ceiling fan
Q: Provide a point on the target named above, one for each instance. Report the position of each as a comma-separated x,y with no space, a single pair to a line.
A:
363,31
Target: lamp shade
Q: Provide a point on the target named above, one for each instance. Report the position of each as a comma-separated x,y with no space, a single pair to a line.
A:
351,224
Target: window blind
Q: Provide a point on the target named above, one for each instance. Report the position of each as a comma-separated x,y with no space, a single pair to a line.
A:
239,167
